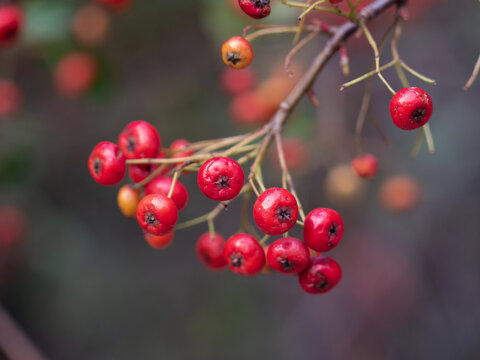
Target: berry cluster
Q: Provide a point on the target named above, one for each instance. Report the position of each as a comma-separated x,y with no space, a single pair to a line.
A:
158,196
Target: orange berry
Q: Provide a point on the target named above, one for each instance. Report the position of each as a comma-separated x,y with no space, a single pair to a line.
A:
237,52
159,241
128,199
400,193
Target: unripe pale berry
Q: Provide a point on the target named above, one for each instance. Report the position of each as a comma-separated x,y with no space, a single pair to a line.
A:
128,198
237,52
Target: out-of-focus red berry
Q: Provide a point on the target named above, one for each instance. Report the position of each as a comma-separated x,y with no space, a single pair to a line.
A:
233,82
210,251
159,241
400,193
365,166
11,22
10,98
90,25
75,74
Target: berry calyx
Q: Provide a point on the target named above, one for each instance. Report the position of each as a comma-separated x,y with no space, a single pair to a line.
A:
257,9
411,108
237,52
275,211
162,184
11,21
159,241
139,140
220,178
210,251
288,256
107,163
365,166
157,214
321,275
128,198
323,229
244,255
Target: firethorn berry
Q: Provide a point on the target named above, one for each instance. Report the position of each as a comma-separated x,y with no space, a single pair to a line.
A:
234,82
139,172
128,198
139,140
75,74
90,24
13,223
323,229
10,97
244,255
157,214
365,165
115,4
178,145
159,241
250,108
257,9
210,251
321,275
11,21
237,52
275,211
107,164
288,255
400,193
411,108
220,178
162,184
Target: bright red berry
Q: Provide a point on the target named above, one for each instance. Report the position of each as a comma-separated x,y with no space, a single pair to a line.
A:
320,276
107,163
210,251
177,146
237,52
159,241
11,21
365,165
411,108
288,255
139,140
275,211
162,184
75,74
234,82
323,229
10,97
139,172
220,178
257,9
157,214
244,255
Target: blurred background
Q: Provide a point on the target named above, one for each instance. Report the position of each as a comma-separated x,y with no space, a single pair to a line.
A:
81,281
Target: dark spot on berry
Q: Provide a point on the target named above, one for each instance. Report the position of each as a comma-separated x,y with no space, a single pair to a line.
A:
10,31
284,214
131,144
418,114
322,283
97,165
206,258
260,3
150,219
332,232
287,265
233,57
236,259
222,182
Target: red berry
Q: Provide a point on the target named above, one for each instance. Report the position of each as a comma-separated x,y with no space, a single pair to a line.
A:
257,9
13,223
411,108
11,21
237,52
365,165
139,140
210,251
244,255
75,74
159,241
335,1
220,178
320,276
162,184
323,229
157,214
10,97
275,211
234,82
115,4
177,146
107,164
139,172
288,255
